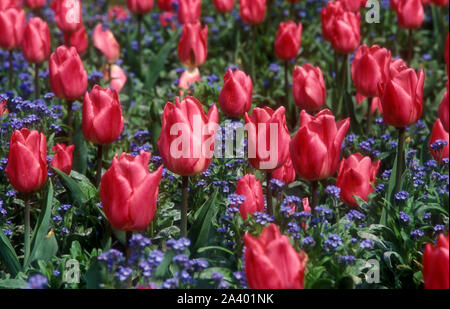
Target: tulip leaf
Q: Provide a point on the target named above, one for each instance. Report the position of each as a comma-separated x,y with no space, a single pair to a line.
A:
8,255
72,186
47,248
80,155
13,284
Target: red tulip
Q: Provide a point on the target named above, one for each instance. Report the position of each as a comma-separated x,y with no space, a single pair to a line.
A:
443,110
272,263
235,98
68,15
105,41
309,88
35,4
401,98
129,192
268,138
63,158
140,7
316,148
328,15
189,11
356,177
119,78
78,39
250,187
186,143
346,32
12,27
36,41
27,160
288,40
369,68
165,5
193,47
253,12
117,12
6,4
435,264
396,66
224,6
410,13
102,116
439,133
353,5
68,78
188,78
286,173
441,3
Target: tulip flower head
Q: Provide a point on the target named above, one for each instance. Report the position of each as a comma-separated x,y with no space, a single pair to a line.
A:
223,6
250,187
63,159
443,111
12,28
36,42
286,173
253,12
189,11
435,264
439,143
78,39
309,88
235,98
68,15
288,40
193,46
105,41
140,7
410,13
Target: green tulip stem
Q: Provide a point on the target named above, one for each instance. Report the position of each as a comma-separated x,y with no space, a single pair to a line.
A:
11,70
289,107
27,228
410,54
128,235
99,164
184,205
253,54
314,196
269,194
369,116
400,159
36,81
139,19
69,121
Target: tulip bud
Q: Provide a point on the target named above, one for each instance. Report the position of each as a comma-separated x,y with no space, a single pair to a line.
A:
443,111
346,32
68,78
401,98
435,264
356,177
286,173
439,151
253,12
235,98
129,192
36,42
63,158
78,39
193,48
309,88
35,4
140,7
12,27
27,160
268,138
189,11
316,148
250,187
102,116
410,13
328,14
186,143
272,263
369,68
105,41
288,40
224,6
165,5
68,15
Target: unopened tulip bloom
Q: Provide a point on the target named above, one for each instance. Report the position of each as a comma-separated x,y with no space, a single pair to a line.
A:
410,13
315,150
328,14
396,66
63,158
193,47
36,42
129,192
286,173
102,116
68,78
165,5
250,187
235,98
253,12
370,67
272,263
105,41
140,7
268,138
118,77
443,110
401,98
435,264
27,160
288,40
35,4
189,11
356,177
68,15
224,6
346,32
12,27
78,39
309,88
186,143
439,134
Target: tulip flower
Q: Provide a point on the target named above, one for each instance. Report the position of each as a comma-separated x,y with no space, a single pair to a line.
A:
35,4
272,263
36,42
396,66
68,15
356,177
129,192
166,5
117,12
223,6
12,28
353,5
443,110
78,39
410,13
346,32
118,77
6,4
288,40
105,41
193,48
63,158
439,142
286,173
309,88
253,11
188,78
140,7
327,14
435,264
235,98
250,187
189,11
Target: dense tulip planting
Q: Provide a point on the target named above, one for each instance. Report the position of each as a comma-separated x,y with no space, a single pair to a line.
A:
262,144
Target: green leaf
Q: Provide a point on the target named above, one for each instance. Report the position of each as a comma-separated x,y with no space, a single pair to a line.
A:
80,154
72,186
163,269
8,255
94,276
47,248
13,284
204,249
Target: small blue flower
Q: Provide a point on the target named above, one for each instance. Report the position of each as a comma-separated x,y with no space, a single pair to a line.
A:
404,217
